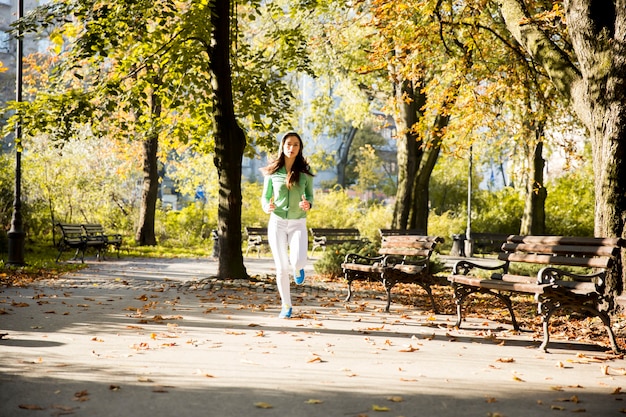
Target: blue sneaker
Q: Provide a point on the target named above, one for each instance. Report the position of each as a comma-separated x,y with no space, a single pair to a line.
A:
299,277
285,313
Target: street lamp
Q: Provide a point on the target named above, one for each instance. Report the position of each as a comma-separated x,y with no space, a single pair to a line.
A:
469,243
16,235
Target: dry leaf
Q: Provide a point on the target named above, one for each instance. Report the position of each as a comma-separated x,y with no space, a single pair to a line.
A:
30,407
410,348
505,360
379,408
395,399
313,401
263,405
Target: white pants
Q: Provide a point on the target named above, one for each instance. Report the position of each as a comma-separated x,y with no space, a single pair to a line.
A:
289,242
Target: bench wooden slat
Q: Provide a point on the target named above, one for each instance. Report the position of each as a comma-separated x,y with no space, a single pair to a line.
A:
555,260
570,250
566,240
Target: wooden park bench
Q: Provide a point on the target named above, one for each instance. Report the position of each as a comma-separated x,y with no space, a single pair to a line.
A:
488,242
84,236
95,233
402,258
323,237
571,275
256,237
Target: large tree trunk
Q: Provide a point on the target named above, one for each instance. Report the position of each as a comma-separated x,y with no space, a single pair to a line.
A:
230,142
145,235
596,89
410,102
343,155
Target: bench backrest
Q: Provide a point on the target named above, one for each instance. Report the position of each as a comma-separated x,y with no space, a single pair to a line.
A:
70,230
93,229
561,250
256,231
409,245
348,232
395,232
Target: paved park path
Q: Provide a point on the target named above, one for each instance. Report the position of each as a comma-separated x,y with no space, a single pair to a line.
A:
152,338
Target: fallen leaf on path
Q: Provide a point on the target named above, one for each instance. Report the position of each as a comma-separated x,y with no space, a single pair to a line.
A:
395,399
15,304
315,358
30,407
81,396
505,360
262,405
409,348
313,401
379,408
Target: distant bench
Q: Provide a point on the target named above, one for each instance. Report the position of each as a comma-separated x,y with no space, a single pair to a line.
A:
553,288
256,238
323,237
488,242
84,236
402,258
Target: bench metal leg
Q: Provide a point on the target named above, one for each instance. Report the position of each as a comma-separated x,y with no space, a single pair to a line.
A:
388,284
349,296
547,306
461,292
429,291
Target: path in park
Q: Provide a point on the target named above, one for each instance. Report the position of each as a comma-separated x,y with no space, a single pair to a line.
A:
152,338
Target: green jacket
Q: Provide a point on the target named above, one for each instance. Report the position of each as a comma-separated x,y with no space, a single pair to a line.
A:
286,200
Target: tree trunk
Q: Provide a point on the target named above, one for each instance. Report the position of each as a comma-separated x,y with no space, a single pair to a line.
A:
534,217
230,142
410,102
145,235
596,89
343,153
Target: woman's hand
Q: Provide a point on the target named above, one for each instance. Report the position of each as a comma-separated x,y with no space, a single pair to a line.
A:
304,205
271,206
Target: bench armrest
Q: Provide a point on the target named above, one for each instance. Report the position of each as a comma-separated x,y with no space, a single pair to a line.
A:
255,240
356,258
319,239
464,267
551,275
391,260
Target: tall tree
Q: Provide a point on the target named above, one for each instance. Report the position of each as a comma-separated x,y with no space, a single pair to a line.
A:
594,81
230,142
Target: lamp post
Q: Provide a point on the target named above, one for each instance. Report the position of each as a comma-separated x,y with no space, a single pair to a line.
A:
469,243
16,234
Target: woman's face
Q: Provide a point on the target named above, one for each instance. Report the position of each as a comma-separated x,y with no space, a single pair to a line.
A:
291,147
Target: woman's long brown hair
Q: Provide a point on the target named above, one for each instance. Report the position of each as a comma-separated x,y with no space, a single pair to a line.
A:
299,164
